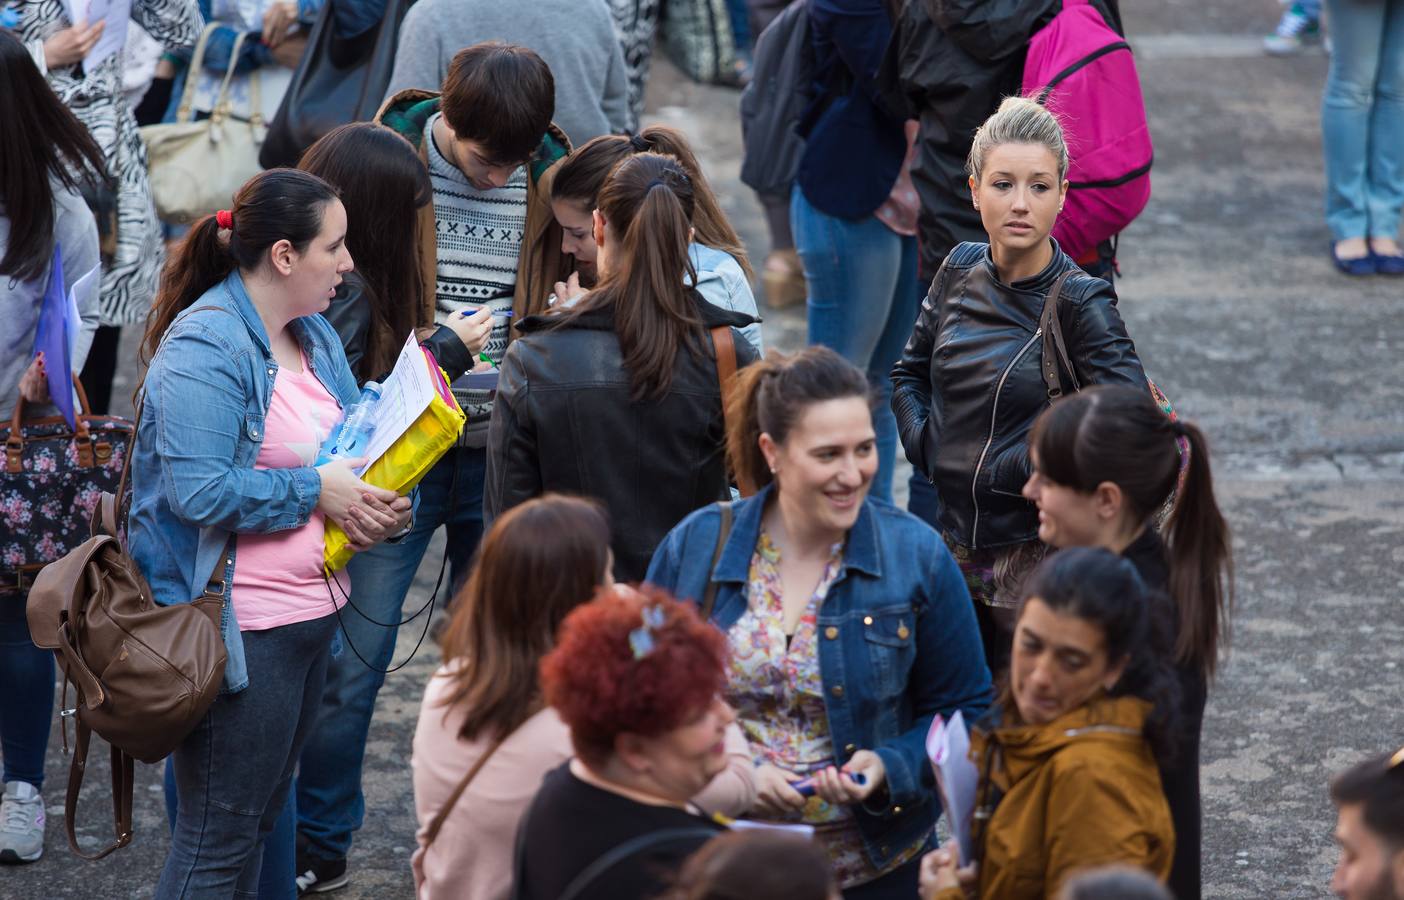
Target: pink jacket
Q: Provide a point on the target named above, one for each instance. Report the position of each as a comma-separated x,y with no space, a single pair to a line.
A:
472,857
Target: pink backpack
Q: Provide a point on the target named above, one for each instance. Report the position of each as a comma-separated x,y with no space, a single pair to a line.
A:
1083,71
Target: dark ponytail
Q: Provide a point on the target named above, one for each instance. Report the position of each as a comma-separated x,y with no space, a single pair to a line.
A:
41,142
647,201
770,396
583,173
1117,434
272,206
1097,586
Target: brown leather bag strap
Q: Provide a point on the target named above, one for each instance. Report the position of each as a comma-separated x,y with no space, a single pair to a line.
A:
123,781
1055,348
442,815
709,597
725,347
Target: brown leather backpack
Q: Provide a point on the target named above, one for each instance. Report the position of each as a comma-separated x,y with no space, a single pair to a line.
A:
144,674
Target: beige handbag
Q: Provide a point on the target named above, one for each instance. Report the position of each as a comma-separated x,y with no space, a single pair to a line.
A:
196,167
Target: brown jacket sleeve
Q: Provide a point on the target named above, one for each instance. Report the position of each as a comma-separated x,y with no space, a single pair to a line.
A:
1097,815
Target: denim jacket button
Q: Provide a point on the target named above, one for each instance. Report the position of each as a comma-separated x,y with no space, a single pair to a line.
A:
850,749
867,620
837,690
831,632
896,810
902,632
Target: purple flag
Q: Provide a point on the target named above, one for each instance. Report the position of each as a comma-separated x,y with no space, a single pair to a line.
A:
51,340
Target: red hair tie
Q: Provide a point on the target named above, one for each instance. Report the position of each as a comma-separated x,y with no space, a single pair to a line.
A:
225,219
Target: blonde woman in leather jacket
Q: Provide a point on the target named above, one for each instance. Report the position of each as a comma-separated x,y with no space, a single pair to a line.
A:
969,384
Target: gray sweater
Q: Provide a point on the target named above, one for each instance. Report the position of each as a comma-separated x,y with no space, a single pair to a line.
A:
576,38
20,300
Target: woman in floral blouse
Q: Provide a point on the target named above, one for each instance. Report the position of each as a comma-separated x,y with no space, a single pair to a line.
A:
131,265
845,616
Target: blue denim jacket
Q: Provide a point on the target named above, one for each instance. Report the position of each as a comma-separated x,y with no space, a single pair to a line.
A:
193,477
900,644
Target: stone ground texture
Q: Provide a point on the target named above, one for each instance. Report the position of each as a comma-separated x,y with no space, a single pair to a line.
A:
1294,372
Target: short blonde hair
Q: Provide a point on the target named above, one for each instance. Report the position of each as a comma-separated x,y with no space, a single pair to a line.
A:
1019,120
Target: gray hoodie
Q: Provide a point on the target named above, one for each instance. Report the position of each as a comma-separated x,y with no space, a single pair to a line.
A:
20,300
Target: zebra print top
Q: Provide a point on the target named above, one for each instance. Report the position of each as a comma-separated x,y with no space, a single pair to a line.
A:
129,282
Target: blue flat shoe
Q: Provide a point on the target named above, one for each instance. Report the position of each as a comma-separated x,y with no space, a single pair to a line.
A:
1388,264
1364,265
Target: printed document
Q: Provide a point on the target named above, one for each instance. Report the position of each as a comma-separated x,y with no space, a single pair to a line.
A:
948,747
404,395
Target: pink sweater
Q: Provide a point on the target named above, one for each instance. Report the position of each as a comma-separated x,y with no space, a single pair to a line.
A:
472,857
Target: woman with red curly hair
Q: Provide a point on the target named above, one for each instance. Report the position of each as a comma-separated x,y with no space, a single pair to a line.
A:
637,677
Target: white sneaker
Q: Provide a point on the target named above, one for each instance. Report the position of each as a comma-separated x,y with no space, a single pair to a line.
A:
21,823
1294,33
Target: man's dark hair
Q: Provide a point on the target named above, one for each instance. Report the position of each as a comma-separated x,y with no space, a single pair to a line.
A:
500,96
1377,784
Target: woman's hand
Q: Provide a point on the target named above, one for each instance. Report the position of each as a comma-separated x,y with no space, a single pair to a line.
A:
34,383
774,795
289,51
568,291
473,330
69,46
837,786
344,501
940,872
276,21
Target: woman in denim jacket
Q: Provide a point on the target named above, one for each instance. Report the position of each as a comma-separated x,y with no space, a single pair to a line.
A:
848,621
245,383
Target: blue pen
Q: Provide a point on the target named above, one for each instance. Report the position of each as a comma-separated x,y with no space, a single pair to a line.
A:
496,313
805,788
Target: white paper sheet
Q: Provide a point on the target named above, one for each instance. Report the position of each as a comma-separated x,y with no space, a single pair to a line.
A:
798,829
405,394
948,748
73,319
116,13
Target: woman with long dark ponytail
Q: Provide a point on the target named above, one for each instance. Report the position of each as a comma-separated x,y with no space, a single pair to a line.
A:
246,380
44,153
618,397
1105,460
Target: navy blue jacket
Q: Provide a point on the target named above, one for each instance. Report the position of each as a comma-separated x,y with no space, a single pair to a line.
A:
901,645
854,150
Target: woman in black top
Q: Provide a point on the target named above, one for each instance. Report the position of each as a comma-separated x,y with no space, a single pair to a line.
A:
1105,461
971,381
637,677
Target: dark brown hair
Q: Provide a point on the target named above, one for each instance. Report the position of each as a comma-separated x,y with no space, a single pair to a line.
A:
41,142
383,184
740,865
583,173
602,689
272,206
1378,785
539,561
770,396
500,95
648,202
1118,434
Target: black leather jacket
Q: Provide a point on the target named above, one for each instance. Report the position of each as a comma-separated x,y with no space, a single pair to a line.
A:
968,386
350,314
564,421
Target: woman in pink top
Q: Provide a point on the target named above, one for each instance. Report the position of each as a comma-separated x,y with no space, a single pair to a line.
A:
539,561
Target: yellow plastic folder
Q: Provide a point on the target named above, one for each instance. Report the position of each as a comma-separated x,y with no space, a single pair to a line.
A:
408,459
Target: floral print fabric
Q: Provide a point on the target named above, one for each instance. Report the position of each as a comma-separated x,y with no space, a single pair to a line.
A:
777,691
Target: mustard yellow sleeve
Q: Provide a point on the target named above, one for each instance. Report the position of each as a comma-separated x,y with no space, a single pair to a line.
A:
1097,816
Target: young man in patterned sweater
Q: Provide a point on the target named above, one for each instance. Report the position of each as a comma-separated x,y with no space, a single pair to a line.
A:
486,138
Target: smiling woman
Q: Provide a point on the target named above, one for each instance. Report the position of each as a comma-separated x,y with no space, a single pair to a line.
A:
849,625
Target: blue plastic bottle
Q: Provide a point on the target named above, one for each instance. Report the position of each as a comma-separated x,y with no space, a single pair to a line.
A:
350,439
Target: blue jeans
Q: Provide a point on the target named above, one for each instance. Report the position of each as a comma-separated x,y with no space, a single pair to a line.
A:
330,805
26,694
1362,119
863,303
234,771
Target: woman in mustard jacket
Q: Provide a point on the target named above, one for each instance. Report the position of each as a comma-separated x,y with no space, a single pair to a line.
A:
1068,760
